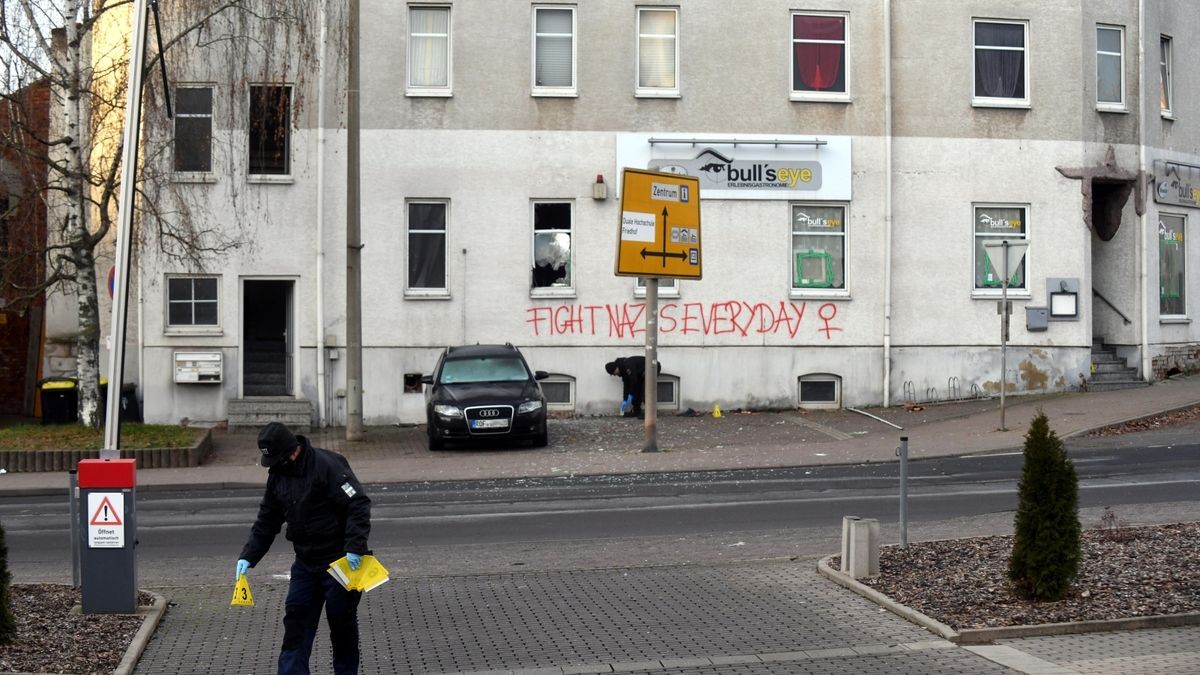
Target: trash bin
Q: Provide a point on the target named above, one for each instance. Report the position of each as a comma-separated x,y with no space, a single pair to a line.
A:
130,410
60,400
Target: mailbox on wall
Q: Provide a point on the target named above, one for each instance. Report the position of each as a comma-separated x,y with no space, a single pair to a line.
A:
198,367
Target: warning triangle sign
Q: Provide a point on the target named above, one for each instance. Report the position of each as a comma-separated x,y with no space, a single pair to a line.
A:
105,514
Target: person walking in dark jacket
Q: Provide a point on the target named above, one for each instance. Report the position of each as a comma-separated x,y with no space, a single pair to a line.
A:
632,371
328,516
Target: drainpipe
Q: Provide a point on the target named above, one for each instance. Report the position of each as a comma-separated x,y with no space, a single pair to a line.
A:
1144,253
320,262
887,202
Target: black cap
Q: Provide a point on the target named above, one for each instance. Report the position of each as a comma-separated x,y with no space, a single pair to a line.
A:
611,367
276,442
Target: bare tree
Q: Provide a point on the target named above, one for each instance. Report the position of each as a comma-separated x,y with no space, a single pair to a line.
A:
81,49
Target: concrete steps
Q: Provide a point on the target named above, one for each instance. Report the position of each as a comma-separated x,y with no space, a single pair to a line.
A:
1110,371
252,413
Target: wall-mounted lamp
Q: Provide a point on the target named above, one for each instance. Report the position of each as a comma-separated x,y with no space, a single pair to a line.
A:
599,188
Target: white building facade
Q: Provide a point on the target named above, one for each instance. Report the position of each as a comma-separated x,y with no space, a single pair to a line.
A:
856,158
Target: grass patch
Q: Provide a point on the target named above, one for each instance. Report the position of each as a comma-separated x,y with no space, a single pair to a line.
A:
78,437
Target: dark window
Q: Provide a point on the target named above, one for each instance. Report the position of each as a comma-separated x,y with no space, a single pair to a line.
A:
193,129
557,391
427,245
1000,60
192,301
818,391
270,129
551,244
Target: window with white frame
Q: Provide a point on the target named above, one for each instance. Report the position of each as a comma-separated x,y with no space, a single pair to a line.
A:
427,245
666,288
666,392
559,391
994,223
1110,67
430,63
1165,87
1172,266
552,234
658,51
1001,63
193,128
270,129
818,256
819,66
191,301
554,51
819,390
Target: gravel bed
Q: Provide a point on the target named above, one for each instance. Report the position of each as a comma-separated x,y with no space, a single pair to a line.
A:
1125,573
52,638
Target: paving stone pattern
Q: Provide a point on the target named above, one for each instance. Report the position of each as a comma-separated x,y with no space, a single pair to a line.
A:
762,617
1168,651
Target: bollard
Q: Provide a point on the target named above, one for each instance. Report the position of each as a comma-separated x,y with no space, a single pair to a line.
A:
862,559
902,451
847,521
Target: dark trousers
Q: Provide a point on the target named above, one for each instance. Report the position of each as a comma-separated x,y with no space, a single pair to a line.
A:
309,591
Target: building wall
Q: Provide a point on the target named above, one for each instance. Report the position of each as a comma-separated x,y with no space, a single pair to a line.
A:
491,148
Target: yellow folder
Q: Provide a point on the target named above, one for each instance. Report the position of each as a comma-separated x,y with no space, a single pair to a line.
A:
370,574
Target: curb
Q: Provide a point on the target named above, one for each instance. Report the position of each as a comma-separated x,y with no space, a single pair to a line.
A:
981,636
150,617
49,461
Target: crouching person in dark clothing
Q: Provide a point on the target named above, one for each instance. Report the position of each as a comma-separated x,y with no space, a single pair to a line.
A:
328,516
632,371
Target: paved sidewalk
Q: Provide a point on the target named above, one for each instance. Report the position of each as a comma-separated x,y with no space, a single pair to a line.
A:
775,616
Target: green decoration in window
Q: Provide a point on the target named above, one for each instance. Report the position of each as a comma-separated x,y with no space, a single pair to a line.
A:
993,280
814,269
1170,281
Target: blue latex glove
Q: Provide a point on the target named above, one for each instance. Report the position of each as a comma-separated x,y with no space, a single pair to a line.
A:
242,566
627,404
354,559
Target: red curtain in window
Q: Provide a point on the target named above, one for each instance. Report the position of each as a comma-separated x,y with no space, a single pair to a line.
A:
818,65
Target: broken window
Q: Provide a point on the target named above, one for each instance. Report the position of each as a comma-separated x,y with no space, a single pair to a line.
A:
552,245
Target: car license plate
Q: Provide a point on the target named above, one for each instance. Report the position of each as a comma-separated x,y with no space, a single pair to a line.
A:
489,424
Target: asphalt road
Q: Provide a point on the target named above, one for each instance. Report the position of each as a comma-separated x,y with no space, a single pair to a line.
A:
193,537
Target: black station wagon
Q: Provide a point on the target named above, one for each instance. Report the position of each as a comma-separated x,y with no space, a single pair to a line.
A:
484,393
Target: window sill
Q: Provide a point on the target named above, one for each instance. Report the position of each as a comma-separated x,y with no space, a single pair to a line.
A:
1013,294
428,93
554,93
640,293
818,98
193,331
551,293
269,179
656,94
818,294
1168,115
1017,104
193,177
1112,109
426,294
1174,319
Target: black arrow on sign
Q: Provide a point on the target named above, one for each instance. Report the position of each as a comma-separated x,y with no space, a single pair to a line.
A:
663,254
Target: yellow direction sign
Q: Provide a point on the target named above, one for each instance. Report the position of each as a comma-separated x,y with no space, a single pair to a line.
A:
660,225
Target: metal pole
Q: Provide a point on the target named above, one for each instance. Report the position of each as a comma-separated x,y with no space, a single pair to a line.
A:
120,303
1003,334
73,501
650,394
354,423
903,452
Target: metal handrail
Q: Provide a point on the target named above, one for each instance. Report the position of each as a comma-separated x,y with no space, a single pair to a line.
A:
1114,307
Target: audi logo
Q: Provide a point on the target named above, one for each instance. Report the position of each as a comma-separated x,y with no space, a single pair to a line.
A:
491,412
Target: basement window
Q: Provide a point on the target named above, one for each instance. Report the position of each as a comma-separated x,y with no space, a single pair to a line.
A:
559,391
820,390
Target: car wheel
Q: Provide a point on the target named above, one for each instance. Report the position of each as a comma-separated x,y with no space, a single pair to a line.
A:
436,444
541,440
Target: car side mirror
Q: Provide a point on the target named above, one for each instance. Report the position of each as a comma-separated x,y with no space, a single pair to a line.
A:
540,375
426,379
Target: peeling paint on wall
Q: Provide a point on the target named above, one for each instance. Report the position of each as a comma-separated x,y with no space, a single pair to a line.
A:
1034,377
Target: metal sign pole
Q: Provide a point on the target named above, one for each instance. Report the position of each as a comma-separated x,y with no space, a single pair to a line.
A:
903,452
1004,335
650,396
